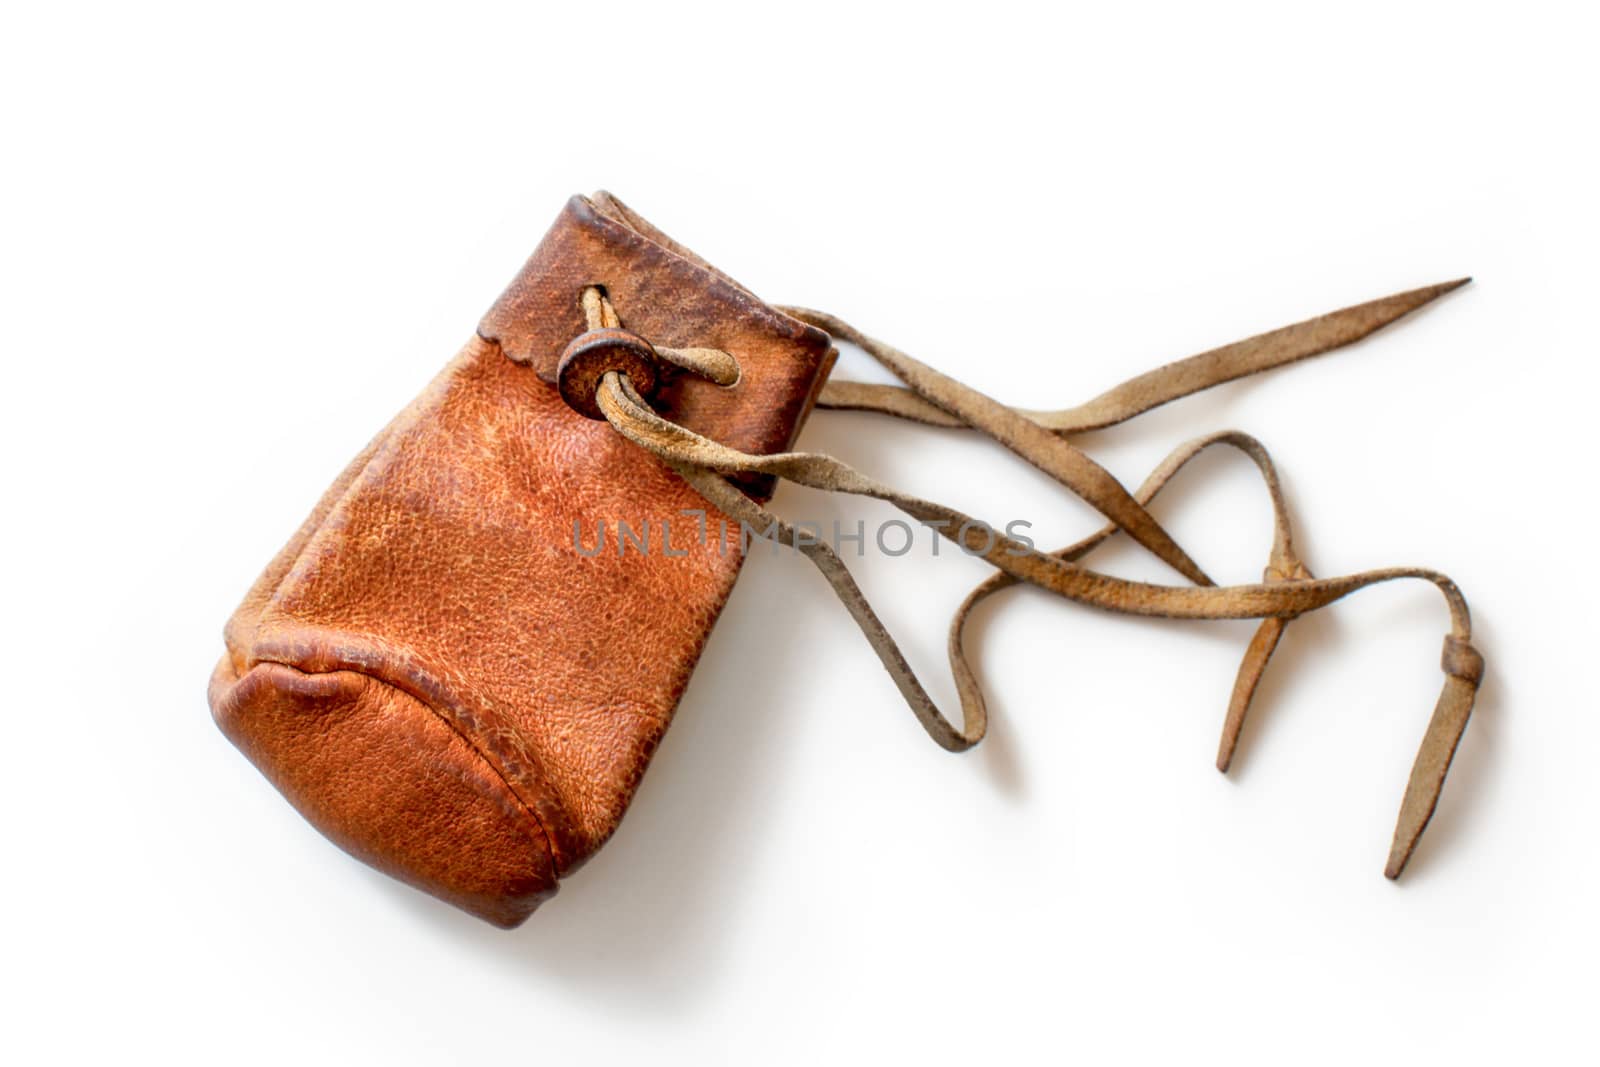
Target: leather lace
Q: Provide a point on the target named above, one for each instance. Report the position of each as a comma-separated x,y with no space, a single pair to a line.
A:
1288,589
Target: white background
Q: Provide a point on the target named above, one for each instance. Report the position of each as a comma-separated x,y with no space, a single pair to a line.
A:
235,243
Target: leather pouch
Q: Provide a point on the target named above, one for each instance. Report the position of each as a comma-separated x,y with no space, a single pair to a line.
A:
428,670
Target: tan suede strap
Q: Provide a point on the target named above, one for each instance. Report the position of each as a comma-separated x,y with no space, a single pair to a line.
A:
1253,355
1288,588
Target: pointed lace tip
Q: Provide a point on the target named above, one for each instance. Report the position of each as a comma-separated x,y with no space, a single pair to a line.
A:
1429,293
1399,856
1365,319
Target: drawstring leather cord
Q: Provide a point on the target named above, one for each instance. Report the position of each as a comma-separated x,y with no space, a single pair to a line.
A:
598,375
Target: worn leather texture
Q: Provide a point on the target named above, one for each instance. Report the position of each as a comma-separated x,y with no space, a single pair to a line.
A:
430,670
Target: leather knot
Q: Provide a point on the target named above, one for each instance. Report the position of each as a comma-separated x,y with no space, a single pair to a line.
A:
1460,660
1292,571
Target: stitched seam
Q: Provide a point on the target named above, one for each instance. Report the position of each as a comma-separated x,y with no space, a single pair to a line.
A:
454,728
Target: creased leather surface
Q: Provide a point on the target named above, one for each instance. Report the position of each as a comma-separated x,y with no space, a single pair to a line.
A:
670,296
429,670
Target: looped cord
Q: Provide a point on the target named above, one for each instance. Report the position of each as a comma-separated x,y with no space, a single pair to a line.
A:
1288,588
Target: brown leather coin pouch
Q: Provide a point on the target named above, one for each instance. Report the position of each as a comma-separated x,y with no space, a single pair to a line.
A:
430,670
